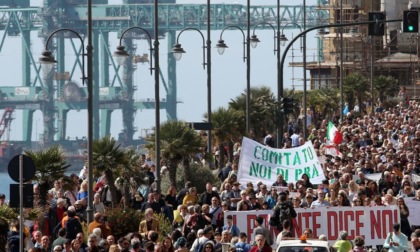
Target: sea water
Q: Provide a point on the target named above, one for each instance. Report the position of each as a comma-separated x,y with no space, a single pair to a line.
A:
5,182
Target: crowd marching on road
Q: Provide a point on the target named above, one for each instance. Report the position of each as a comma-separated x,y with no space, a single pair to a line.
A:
384,143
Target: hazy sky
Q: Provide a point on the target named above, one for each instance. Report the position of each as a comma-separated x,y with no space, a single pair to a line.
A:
228,74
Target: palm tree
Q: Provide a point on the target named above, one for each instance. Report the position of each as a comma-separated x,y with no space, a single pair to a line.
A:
50,165
130,173
177,142
262,109
385,86
329,102
228,125
355,87
107,157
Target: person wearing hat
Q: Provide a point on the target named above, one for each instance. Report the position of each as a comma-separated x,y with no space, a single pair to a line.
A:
242,244
259,229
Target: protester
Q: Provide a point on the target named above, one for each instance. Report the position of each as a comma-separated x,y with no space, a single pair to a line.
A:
395,240
377,164
260,244
343,245
259,229
359,245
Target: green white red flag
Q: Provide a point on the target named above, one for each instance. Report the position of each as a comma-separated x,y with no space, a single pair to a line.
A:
333,134
332,150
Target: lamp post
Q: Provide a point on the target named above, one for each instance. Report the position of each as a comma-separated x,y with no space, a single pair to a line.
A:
254,40
178,51
122,55
305,125
247,51
341,64
321,27
47,60
248,67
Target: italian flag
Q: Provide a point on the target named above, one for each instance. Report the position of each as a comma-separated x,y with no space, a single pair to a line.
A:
333,134
331,150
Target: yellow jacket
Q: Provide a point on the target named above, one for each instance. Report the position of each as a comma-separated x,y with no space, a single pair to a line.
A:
143,227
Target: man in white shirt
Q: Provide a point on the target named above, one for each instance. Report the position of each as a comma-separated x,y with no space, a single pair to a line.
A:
396,241
320,202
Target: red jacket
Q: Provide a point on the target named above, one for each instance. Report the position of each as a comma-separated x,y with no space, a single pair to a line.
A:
264,249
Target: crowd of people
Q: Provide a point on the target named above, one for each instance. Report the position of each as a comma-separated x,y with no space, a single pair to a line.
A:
386,142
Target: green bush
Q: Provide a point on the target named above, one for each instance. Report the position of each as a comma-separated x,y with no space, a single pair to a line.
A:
123,221
199,175
390,103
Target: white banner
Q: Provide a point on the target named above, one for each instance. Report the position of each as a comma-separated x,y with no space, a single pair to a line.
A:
414,210
263,163
373,223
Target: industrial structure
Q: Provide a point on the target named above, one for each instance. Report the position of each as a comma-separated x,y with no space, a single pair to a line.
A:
60,92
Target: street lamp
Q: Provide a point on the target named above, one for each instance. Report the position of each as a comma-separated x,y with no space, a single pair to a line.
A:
177,50
283,58
283,40
121,56
221,46
278,41
47,60
248,42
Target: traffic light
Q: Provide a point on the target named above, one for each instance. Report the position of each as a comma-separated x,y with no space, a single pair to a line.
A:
376,29
411,21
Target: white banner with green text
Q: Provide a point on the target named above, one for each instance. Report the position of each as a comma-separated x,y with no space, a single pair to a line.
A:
263,163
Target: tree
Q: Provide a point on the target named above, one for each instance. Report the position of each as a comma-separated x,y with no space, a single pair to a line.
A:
107,157
228,125
262,109
50,165
131,174
177,141
385,86
355,88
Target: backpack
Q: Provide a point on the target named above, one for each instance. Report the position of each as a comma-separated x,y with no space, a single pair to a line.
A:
281,213
73,227
13,241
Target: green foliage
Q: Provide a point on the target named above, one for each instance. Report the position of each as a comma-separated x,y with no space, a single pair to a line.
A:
177,141
8,213
164,224
107,155
4,228
355,88
262,109
50,163
390,103
385,86
199,176
33,214
123,221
